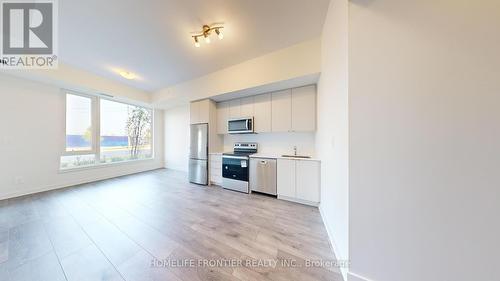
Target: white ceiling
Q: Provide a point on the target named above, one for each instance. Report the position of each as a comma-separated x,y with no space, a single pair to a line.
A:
151,38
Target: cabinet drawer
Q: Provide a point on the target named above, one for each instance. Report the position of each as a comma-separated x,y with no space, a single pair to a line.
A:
216,169
217,164
215,161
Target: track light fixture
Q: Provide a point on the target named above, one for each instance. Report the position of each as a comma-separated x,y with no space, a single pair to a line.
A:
205,33
219,34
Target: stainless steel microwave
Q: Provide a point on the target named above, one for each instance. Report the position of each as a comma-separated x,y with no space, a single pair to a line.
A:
240,125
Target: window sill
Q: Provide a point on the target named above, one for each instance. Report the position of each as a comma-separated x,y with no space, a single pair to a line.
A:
103,165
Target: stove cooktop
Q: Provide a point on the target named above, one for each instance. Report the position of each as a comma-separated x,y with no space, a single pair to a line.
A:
238,153
242,149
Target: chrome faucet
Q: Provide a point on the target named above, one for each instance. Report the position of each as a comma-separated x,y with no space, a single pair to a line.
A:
295,150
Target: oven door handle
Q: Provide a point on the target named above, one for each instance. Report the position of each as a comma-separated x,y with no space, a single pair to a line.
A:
235,157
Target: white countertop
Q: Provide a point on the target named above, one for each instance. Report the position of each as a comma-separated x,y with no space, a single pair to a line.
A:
265,155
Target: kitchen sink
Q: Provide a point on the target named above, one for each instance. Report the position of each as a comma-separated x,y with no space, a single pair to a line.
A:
296,156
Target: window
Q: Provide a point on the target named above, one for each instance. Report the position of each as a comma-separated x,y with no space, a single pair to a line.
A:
125,132
102,131
78,123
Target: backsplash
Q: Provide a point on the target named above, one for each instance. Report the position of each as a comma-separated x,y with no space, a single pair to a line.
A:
275,143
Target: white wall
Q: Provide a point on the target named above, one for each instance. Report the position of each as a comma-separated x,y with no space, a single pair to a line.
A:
332,137
424,139
177,138
32,139
275,143
69,77
301,60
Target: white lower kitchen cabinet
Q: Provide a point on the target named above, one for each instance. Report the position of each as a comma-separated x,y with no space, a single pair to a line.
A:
285,178
299,181
215,171
307,178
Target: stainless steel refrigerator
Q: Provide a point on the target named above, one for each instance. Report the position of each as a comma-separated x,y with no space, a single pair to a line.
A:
198,154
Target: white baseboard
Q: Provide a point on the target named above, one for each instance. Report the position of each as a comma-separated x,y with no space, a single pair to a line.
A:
343,270
73,183
355,277
296,200
176,168
346,274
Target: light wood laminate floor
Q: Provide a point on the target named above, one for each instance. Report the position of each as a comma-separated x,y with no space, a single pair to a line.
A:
157,226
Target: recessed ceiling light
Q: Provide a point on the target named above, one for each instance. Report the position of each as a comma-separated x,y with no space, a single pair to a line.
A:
127,75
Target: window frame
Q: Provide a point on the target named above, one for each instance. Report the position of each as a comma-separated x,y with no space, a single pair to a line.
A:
94,112
96,130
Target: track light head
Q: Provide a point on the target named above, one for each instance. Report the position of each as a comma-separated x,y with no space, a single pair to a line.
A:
219,34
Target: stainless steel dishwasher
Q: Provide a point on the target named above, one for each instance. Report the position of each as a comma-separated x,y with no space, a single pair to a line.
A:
263,175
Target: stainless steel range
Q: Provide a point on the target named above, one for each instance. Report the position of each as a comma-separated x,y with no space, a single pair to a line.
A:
235,167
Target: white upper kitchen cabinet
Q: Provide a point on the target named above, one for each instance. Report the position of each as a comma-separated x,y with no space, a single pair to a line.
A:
205,111
246,107
193,112
285,178
235,108
262,113
291,110
304,109
281,111
307,180
222,116
200,111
